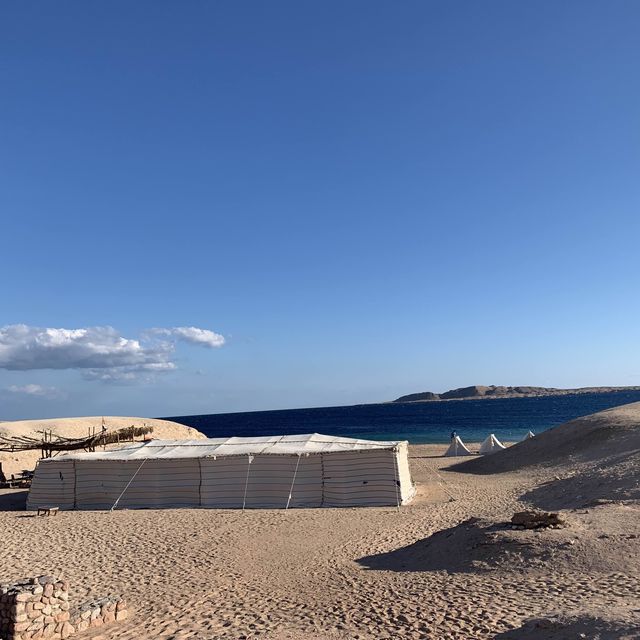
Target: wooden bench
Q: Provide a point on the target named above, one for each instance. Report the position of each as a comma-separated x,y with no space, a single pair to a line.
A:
48,511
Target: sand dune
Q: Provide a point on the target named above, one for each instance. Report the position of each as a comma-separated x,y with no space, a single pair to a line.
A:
78,428
614,432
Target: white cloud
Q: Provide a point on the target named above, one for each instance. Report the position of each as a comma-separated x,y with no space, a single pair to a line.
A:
101,353
202,337
35,390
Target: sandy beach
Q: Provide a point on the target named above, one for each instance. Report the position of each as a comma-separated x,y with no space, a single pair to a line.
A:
445,566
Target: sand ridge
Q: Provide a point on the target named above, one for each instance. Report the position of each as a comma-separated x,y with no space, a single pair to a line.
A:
81,427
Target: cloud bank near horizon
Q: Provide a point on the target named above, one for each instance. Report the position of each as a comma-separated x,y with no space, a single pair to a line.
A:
35,390
100,353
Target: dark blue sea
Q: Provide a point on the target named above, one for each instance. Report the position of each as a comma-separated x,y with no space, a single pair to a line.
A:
428,422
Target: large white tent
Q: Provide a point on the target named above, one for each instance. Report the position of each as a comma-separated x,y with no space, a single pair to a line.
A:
457,448
310,470
490,445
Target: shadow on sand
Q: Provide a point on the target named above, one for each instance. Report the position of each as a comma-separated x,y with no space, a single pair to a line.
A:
569,627
468,547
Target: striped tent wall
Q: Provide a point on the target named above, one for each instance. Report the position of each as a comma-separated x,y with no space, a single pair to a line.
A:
158,483
267,479
336,479
53,485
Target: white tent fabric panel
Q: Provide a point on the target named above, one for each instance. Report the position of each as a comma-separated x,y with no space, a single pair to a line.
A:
407,486
457,448
491,445
360,475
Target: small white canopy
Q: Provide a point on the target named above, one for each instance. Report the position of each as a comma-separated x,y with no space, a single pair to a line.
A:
457,448
491,445
528,436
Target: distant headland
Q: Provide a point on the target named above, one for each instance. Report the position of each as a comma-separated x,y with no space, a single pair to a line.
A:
478,392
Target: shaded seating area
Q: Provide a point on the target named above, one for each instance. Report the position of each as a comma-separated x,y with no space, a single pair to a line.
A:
20,480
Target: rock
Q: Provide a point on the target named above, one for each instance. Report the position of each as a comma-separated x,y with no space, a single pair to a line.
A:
536,519
67,630
121,615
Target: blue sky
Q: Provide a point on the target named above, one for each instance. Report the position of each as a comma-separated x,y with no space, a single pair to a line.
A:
356,200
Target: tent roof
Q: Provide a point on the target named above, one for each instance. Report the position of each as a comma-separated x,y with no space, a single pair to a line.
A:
209,447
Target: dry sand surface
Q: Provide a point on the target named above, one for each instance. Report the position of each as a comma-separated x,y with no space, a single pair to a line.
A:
439,568
80,428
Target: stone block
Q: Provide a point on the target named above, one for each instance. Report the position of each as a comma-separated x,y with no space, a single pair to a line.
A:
67,630
121,615
82,625
48,590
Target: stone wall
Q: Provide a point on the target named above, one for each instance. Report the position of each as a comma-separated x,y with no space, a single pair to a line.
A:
40,608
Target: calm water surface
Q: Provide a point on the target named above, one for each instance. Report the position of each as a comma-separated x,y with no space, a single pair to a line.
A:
429,422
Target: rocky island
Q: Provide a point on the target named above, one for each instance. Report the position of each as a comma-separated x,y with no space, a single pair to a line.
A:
477,392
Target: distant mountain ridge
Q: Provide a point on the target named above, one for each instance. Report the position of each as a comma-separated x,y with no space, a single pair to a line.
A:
493,391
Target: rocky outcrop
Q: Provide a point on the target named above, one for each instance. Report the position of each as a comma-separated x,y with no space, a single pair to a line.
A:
493,391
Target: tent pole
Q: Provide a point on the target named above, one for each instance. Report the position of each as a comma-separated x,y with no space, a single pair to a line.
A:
115,504
246,483
292,481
